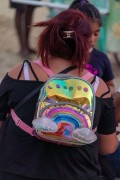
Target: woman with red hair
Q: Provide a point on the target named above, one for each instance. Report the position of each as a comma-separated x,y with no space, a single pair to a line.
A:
63,47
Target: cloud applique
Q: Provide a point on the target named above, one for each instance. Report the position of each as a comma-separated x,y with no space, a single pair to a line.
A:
84,135
45,124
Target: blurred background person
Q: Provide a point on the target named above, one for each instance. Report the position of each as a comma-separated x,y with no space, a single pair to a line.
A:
23,19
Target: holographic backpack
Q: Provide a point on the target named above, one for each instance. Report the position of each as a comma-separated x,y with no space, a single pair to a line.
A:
65,111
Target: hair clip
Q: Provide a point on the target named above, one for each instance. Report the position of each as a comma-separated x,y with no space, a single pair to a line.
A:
67,34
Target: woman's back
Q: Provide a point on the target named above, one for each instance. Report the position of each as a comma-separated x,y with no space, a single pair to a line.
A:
27,156
55,156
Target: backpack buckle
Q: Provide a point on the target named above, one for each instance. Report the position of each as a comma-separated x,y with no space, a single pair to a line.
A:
18,121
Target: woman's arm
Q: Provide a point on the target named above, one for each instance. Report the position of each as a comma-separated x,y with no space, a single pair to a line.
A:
108,143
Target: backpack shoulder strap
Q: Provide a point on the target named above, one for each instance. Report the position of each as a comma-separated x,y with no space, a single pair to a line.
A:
70,68
21,124
27,98
87,76
50,72
14,116
46,69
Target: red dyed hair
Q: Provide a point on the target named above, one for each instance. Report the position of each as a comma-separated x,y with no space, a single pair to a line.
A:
52,42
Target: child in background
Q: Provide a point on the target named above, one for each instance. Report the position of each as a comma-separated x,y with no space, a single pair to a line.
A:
100,65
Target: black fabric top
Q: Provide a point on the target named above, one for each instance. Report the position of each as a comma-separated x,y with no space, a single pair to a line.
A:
100,65
25,155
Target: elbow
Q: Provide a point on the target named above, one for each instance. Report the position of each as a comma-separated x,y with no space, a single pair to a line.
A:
109,150
108,144
113,149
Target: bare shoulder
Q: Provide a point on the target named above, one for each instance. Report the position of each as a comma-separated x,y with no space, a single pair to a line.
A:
102,89
14,72
41,75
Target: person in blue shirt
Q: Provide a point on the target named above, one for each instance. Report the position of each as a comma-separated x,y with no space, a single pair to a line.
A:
99,64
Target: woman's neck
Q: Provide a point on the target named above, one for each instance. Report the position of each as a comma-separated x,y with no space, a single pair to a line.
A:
58,64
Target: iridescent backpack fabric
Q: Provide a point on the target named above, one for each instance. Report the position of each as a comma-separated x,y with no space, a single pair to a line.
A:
65,111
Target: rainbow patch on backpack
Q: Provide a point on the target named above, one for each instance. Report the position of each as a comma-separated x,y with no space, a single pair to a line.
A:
65,111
